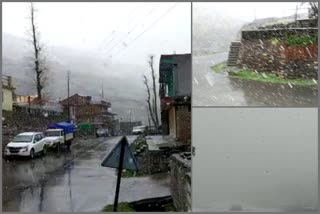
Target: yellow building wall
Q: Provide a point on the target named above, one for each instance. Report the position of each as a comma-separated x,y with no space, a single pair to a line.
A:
7,99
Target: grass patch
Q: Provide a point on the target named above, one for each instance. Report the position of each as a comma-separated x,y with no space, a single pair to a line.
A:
138,143
219,68
122,207
170,208
129,173
297,40
302,40
270,78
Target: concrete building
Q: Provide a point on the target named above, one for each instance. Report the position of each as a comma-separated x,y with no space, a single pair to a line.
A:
7,93
89,109
175,96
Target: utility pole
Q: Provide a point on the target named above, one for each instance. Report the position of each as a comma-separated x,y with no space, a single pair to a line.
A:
102,94
68,85
296,15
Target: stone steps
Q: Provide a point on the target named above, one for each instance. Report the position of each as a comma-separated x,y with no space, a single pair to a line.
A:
233,53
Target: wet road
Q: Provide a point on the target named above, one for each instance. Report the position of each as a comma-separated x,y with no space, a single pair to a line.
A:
216,89
73,182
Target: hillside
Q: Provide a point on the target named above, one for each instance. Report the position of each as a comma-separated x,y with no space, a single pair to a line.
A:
123,84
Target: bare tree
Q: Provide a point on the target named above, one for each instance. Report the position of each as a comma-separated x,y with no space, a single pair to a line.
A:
313,9
148,101
149,121
40,68
155,100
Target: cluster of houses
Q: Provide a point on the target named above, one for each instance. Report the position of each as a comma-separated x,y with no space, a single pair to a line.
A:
174,91
82,109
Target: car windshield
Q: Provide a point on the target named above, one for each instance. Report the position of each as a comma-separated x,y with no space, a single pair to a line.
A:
22,138
52,133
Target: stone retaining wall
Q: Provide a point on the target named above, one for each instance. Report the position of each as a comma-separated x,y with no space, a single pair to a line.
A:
152,162
181,183
268,51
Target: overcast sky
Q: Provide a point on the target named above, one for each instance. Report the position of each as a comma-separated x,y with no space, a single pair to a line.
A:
247,11
129,31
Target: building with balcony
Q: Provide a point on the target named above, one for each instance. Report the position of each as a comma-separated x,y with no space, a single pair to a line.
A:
175,96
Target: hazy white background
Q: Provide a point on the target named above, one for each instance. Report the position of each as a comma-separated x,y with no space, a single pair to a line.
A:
100,43
261,159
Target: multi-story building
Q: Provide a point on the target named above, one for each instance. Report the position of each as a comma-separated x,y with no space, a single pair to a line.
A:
7,93
175,96
89,109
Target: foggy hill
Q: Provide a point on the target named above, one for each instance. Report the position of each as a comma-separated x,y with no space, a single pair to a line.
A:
258,23
123,84
214,31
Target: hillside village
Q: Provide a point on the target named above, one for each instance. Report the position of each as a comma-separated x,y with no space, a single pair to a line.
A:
68,102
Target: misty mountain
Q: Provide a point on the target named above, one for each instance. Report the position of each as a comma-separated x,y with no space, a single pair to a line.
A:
259,23
122,83
214,31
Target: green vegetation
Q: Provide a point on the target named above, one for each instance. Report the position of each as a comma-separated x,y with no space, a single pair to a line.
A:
219,68
271,78
298,40
170,208
129,173
122,207
302,40
138,143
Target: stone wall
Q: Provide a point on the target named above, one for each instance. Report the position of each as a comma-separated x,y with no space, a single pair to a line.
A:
183,114
268,51
181,183
152,162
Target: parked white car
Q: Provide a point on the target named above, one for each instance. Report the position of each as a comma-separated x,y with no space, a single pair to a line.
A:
139,130
26,144
102,132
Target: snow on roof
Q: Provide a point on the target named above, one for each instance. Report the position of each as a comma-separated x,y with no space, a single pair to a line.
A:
97,100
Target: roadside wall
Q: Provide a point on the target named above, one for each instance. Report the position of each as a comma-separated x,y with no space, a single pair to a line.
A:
184,124
152,162
268,51
180,174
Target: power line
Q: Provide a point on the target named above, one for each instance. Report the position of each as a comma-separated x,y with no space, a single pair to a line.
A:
152,25
68,84
114,31
130,31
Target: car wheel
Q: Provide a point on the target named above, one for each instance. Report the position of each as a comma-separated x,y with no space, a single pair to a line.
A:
44,150
58,146
32,153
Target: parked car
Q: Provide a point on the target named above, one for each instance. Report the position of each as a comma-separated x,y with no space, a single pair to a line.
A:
102,133
26,144
138,130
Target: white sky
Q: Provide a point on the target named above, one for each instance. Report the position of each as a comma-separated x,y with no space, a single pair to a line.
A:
89,26
248,10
